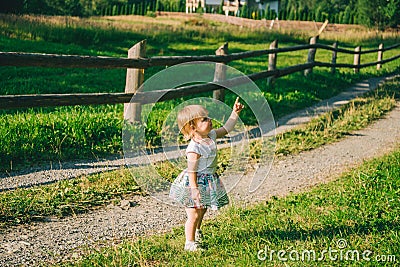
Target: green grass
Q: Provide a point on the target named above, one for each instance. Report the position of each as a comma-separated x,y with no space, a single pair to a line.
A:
88,192
35,142
47,134
28,136
339,123
362,208
66,197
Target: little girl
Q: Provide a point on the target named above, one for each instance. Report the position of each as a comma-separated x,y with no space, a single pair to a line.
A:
198,187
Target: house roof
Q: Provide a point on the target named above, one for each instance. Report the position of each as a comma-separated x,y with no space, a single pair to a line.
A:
213,2
218,2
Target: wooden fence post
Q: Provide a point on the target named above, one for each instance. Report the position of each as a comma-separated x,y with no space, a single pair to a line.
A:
134,79
334,57
357,59
311,55
380,57
323,27
272,61
220,72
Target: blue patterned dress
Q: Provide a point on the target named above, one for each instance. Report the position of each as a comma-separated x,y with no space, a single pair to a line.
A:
212,191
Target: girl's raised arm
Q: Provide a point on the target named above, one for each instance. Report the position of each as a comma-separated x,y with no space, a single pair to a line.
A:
231,122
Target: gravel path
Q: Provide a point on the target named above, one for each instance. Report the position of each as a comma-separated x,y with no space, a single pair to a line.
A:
59,239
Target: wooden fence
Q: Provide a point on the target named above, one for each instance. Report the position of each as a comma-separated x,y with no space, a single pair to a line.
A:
137,62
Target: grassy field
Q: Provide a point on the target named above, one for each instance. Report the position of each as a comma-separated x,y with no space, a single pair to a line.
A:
359,210
353,221
32,136
86,193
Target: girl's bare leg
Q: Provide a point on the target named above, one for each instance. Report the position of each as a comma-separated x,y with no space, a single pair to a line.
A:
201,215
194,218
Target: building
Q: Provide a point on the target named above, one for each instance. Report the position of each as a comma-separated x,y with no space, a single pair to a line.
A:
232,5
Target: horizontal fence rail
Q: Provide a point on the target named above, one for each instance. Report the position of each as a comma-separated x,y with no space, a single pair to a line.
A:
75,61
51,100
139,61
346,51
365,65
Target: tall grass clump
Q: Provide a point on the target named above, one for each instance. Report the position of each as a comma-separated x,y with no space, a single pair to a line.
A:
338,123
31,137
65,198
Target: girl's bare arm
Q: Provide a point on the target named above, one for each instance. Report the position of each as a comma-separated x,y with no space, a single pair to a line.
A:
231,122
193,162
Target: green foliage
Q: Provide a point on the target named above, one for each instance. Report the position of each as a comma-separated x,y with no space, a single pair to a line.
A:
392,13
85,193
114,10
244,11
347,15
65,198
36,135
334,125
386,15
48,135
361,207
379,13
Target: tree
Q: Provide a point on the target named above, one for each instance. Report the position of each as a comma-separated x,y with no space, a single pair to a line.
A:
15,6
379,13
347,15
74,8
392,12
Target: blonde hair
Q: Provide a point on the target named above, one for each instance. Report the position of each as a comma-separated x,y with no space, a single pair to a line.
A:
187,116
